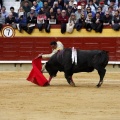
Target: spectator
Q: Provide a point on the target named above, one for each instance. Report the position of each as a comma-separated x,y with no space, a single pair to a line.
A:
46,7
107,19
69,11
52,19
61,3
83,7
111,11
80,2
2,21
40,3
99,9
74,9
63,19
31,22
37,7
113,4
22,23
80,22
103,6
71,23
58,13
4,13
23,3
10,20
92,6
78,12
88,22
13,12
71,3
41,20
26,7
116,21
88,10
21,12
56,6
97,23
32,11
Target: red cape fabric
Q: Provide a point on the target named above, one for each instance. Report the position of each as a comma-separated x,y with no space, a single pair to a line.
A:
35,75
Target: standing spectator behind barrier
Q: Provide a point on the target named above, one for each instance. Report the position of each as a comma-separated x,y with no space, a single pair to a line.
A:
116,21
63,19
31,22
10,20
2,21
4,12
52,19
107,19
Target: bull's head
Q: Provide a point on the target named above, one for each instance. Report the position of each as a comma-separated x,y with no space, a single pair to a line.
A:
51,69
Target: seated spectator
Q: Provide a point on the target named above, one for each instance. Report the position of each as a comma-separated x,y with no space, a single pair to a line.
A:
63,19
37,7
56,6
21,23
21,12
61,3
71,3
23,3
31,22
26,7
97,23
88,10
4,13
46,7
32,11
52,19
10,20
92,5
41,20
103,6
113,3
83,7
78,12
107,19
2,21
80,2
50,3
74,8
80,23
40,3
111,11
88,22
58,12
69,11
71,23
13,12
116,21
99,9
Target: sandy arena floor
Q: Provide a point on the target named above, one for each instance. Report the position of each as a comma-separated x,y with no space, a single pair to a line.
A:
23,100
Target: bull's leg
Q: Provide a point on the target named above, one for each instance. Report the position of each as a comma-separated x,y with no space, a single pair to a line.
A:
101,73
69,80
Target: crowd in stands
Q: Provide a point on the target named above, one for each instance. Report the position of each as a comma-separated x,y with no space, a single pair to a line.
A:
70,14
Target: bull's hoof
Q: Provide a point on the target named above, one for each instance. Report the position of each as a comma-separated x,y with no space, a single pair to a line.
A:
98,85
72,84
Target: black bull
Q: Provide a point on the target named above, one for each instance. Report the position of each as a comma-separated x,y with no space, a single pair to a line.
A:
87,61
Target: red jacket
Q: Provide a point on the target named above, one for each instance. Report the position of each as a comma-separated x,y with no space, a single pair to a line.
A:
62,19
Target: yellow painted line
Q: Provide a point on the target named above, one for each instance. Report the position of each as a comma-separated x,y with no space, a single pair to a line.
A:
57,33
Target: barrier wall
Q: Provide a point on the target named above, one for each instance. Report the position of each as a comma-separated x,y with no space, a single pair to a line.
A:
22,46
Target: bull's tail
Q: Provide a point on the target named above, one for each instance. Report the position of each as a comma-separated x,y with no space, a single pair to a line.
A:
101,58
